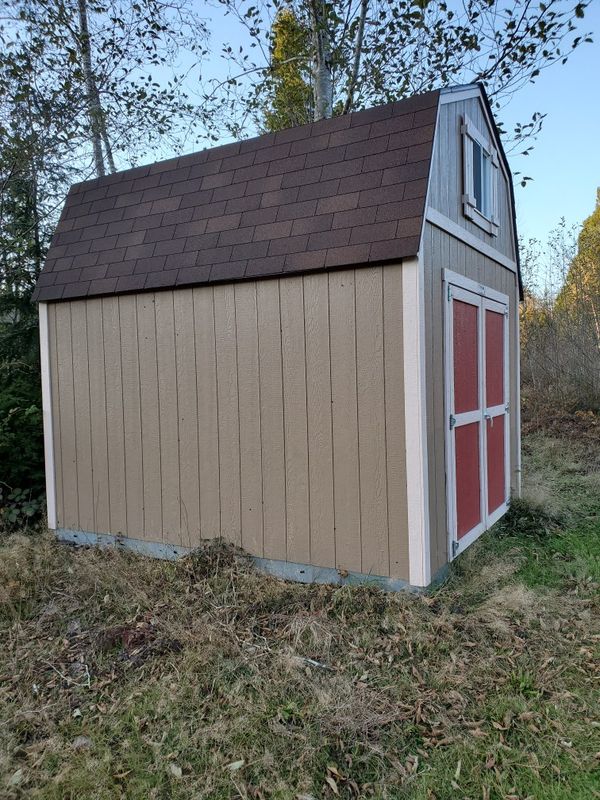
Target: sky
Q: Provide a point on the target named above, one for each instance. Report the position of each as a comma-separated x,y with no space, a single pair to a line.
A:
565,161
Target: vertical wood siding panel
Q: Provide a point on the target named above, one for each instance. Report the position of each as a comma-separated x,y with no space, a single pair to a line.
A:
67,415
250,422
168,414
56,427
83,431
271,416
187,403
371,420
95,346
295,420
443,250
447,176
394,421
228,400
208,422
320,445
117,485
151,450
345,425
132,417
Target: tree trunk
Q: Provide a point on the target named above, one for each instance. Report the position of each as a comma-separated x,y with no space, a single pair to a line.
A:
322,71
93,98
364,5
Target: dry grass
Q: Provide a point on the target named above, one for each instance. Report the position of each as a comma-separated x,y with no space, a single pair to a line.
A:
123,677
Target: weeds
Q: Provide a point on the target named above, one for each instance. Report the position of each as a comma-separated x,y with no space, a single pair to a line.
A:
124,677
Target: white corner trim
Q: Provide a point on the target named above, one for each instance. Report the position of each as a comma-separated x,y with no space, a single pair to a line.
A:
415,400
454,229
47,417
517,411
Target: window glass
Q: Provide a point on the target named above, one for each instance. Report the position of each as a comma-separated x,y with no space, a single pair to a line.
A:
482,180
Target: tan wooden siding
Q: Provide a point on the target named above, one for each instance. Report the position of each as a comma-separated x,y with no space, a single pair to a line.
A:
440,251
269,412
446,183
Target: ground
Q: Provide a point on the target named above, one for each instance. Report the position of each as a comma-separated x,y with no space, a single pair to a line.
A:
124,677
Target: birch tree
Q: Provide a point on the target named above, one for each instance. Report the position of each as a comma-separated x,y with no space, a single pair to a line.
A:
368,52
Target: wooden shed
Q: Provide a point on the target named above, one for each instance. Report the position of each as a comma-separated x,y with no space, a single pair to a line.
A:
305,343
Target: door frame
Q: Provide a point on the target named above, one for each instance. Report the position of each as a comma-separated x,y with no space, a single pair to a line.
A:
488,299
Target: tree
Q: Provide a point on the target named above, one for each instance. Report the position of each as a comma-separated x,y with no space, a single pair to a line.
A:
580,295
366,52
89,64
288,85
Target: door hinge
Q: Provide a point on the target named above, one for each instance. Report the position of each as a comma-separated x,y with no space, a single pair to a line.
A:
452,421
507,407
454,549
449,292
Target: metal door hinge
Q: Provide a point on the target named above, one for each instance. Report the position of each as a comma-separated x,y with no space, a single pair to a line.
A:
449,292
452,421
454,549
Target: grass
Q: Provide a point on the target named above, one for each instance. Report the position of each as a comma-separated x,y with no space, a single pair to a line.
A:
123,677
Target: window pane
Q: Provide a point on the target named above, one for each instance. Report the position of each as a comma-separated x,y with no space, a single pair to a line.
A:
486,185
477,176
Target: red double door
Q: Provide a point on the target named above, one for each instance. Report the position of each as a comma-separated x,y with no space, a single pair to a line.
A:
477,425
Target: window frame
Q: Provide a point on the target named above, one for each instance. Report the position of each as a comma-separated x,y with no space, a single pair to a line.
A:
471,134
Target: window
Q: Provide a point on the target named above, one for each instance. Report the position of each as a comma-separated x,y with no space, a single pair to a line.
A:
480,179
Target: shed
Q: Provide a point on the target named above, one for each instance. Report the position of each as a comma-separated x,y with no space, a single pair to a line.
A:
305,343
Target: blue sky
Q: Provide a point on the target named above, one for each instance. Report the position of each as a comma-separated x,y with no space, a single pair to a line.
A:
565,163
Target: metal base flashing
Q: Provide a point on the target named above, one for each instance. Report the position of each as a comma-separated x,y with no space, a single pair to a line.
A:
286,570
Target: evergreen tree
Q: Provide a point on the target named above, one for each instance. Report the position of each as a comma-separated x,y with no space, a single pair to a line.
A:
288,89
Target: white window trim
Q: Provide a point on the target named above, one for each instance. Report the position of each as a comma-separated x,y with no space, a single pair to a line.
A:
497,301
470,133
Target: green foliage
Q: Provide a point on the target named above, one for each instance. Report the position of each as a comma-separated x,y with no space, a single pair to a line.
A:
375,53
287,86
560,321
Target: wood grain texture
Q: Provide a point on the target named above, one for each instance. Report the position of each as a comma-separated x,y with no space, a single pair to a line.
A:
394,421
320,439
371,420
117,485
268,412
446,182
67,416
56,427
342,321
249,418
271,416
132,416
168,416
187,407
99,434
153,523
442,250
228,400
295,420
208,422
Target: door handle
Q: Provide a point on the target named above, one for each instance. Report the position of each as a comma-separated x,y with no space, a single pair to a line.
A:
489,418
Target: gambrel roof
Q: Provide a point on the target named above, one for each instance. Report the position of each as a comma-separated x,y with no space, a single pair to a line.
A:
341,192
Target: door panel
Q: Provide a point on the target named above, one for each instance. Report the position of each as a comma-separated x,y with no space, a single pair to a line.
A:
476,394
494,358
496,479
468,485
466,368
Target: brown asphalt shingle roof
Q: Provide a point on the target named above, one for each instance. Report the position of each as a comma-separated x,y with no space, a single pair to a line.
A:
341,192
